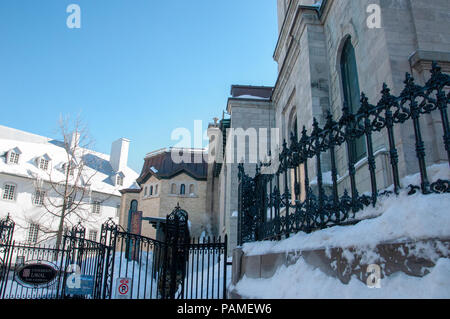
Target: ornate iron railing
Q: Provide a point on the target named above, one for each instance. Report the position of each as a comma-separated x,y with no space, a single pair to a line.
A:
270,207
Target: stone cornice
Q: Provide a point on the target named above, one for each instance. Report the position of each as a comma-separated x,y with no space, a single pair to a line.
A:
239,102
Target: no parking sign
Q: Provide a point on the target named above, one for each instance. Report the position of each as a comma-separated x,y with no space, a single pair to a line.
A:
123,288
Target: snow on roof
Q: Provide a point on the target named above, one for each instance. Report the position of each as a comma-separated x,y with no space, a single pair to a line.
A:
34,146
253,97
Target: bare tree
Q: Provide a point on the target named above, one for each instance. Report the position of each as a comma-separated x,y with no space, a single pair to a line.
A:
65,190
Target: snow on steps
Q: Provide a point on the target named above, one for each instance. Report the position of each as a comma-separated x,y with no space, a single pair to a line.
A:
405,235
413,258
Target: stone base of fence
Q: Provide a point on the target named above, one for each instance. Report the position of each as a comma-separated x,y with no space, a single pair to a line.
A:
413,258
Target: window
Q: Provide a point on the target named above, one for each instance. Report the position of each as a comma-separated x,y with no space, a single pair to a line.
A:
182,189
13,158
93,235
70,170
156,190
119,180
33,233
151,190
192,190
69,202
145,191
118,211
173,189
350,85
43,164
9,192
95,207
39,198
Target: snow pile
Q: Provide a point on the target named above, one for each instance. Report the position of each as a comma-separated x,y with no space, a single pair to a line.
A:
395,218
313,283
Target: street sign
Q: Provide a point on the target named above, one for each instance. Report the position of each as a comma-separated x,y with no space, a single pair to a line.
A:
123,288
83,287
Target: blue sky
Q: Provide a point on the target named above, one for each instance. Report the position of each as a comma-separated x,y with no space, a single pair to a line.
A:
137,69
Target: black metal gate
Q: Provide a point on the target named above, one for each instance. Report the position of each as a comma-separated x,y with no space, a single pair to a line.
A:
73,270
122,265
176,268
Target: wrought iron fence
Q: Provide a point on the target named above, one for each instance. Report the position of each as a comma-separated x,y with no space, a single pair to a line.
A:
270,208
54,266
177,268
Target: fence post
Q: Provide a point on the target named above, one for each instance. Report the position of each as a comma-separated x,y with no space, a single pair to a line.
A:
225,265
332,142
410,94
365,111
437,82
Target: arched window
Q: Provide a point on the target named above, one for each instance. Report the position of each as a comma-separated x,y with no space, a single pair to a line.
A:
151,190
156,190
173,189
182,189
191,189
350,85
134,205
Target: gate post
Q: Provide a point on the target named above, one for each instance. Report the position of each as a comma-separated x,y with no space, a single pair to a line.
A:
177,235
108,239
6,234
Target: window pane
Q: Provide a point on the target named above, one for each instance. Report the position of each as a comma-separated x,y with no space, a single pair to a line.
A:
9,190
33,233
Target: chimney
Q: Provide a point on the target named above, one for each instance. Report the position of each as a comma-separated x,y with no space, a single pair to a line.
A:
119,154
74,140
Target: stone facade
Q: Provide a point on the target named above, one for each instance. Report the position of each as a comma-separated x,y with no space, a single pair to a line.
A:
161,191
249,112
312,35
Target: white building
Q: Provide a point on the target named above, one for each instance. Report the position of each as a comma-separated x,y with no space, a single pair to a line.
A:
30,167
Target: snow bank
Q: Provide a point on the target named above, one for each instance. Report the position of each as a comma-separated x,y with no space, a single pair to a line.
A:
313,283
395,218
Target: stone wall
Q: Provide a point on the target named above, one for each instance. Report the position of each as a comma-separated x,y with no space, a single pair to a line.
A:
163,203
308,53
245,114
413,258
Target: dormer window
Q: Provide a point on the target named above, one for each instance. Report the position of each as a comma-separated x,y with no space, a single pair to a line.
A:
118,179
13,156
43,164
71,170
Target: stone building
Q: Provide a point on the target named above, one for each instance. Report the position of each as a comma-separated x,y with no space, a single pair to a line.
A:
328,52
250,110
165,183
30,168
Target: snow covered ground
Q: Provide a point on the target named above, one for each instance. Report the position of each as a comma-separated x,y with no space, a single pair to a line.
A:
303,281
395,218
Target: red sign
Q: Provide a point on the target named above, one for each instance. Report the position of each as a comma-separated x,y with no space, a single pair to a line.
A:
136,223
123,288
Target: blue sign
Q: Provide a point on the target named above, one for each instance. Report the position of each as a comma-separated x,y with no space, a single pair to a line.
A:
82,286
